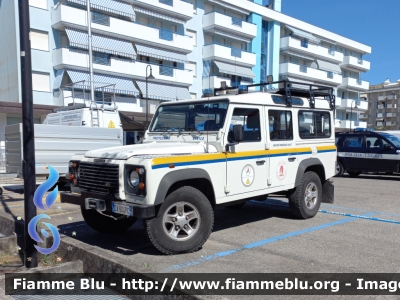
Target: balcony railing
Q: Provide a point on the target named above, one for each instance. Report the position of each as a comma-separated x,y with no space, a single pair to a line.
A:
236,21
167,2
303,68
166,35
166,71
236,52
101,19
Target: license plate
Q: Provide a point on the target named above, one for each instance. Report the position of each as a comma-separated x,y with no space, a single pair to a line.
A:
122,209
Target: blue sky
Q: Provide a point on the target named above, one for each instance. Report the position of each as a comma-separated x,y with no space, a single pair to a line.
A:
375,23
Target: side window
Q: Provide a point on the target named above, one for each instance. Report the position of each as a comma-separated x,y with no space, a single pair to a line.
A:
250,119
375,142
280,125
354,141
314,124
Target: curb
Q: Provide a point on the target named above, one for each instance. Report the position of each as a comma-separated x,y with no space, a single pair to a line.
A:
91,259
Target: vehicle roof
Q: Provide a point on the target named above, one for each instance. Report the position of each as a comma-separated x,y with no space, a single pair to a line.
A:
256,98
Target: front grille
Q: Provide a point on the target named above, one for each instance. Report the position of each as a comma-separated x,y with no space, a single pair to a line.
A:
98,177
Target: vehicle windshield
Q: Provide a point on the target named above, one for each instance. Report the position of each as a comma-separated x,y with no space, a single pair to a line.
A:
204,116
391,138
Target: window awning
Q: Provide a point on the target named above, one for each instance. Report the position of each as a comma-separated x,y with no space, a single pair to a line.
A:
58,79
101,43
298,55
158,15
161,91
235,8
235,70
112,6
327,66
160,53
234,36
101,82
303,34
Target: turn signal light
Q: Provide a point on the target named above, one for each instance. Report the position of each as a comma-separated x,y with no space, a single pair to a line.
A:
141,185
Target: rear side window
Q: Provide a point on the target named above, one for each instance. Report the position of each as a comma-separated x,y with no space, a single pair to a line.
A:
314,124
353,141
280,125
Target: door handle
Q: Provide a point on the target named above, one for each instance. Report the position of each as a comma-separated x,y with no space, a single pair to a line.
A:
291,158
260,162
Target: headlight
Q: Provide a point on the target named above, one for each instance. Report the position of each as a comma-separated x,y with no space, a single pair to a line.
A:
134,178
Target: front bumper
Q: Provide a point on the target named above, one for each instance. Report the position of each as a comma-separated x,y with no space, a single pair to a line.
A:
140,212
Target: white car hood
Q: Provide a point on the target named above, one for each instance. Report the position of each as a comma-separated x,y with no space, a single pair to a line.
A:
154,148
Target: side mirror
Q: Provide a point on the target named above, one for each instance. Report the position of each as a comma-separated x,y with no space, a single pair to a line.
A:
388,147
238,133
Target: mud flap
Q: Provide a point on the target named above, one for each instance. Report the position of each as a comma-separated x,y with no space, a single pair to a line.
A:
328,192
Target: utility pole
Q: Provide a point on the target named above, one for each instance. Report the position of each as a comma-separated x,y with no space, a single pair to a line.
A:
28,163
89,25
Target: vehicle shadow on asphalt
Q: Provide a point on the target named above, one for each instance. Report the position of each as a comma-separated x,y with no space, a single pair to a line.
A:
135,240
374,177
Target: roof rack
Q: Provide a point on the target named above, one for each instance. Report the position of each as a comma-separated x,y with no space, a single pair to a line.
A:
286,89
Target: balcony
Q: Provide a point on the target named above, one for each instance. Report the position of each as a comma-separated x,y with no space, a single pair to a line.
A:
388,97
307,73
354,124
355,63
176,8
64,58
349,104
291,44
215,21
363,116
354,84
229,55
68,16
215,82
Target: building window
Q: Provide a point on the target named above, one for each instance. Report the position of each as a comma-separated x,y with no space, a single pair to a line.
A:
193,67
193,34
39,40
304,43
330,74
166,2
193,95
17,120
38,3
144,58
41,82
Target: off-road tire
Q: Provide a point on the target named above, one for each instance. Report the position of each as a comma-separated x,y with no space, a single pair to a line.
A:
156,228
236,206
353,173
297,198
105,224
339,169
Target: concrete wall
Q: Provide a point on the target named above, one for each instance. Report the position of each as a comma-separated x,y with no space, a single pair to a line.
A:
9,49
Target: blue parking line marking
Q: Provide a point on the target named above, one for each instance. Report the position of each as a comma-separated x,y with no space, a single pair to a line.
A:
257,244
326,205
358,216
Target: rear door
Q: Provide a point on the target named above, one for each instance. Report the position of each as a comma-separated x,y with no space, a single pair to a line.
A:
353,152
381,154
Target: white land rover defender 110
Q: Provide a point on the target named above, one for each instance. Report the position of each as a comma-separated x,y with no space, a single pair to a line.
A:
216,151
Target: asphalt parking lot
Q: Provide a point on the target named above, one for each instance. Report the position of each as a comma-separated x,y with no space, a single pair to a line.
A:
360,232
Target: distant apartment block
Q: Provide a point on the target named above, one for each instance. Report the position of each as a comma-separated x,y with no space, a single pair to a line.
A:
383,106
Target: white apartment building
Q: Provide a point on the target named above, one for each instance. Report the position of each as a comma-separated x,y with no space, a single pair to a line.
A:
190,46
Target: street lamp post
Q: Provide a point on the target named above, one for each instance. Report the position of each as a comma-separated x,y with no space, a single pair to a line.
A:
147,93
351,111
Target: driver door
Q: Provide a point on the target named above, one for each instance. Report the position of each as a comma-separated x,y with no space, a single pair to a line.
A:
247,162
